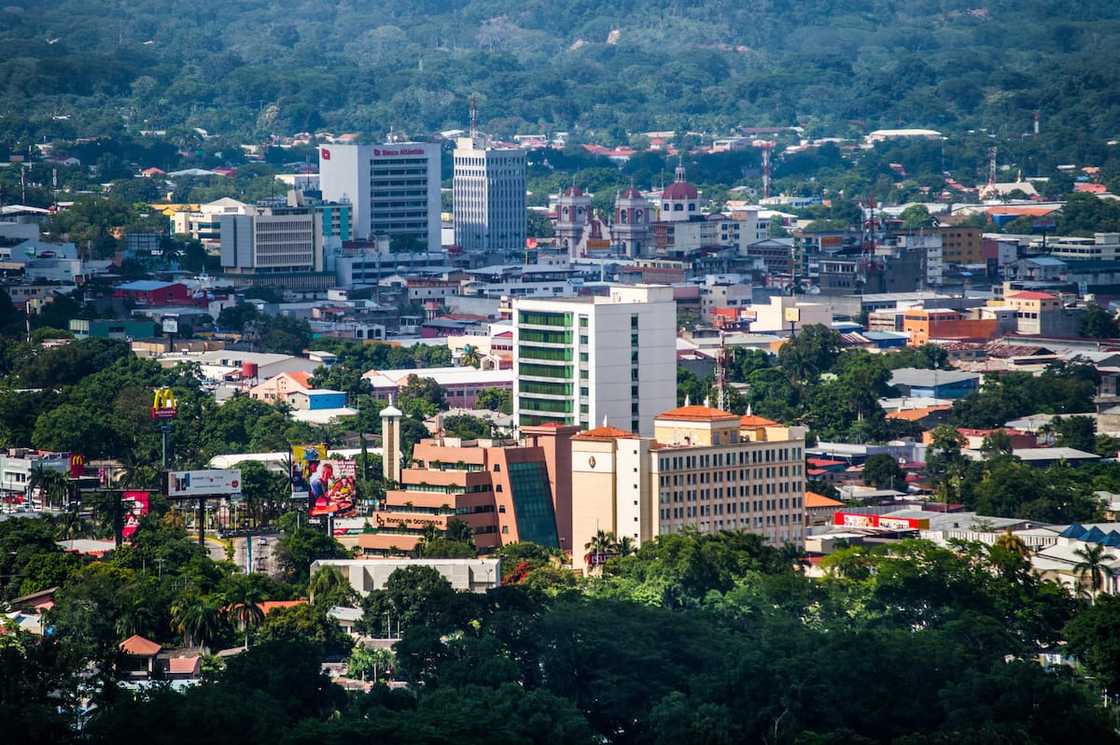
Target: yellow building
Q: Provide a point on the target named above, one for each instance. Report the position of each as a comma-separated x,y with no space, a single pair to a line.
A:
705,469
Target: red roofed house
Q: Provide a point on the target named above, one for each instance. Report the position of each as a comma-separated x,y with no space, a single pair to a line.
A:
138,656
279,387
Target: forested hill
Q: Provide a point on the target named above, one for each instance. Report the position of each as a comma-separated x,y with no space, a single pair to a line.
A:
835,66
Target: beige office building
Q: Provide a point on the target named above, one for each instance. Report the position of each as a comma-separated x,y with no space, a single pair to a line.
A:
703,468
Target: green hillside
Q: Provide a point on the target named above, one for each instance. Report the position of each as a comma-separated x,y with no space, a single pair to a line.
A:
250,67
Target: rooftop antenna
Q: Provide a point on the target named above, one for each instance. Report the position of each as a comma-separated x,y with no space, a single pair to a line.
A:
474,115
721,375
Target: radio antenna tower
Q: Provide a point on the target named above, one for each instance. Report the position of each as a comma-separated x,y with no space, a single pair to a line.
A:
992,151
474,115
721,375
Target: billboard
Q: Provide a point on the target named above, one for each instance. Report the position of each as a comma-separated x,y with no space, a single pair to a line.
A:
135,505
327,484
855,520
204,483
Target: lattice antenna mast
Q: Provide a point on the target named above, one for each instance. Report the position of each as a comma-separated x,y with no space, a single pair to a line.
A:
721,376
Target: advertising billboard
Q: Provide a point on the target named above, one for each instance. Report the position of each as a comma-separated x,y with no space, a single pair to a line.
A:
855,520
135,505
204,483
327,484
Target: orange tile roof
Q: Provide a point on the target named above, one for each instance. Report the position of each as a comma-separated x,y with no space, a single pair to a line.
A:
812,500
184,665
696,414
1021,210
138,646
751,420
270,605
1031,295
301,377
604,433
385,541
917,415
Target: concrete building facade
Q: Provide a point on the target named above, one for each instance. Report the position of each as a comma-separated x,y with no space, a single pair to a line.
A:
703,469
393,189
489,196
581,361
272,240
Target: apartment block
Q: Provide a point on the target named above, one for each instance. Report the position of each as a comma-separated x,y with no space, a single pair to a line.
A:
581,361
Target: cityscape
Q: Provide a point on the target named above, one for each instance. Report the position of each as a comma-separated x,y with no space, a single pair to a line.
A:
478,373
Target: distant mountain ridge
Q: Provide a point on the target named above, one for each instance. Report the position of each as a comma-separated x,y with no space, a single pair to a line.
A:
253,66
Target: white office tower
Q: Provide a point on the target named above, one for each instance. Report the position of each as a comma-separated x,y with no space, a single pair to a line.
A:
489,196
393,189
587,360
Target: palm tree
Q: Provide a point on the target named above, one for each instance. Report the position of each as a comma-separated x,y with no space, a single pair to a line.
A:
1092,563
52,486
135,616
328,584
625,546
1012,543
471,356
198,619
601,545
243,604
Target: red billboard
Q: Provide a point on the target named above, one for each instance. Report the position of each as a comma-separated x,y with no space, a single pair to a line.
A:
856,520
135,505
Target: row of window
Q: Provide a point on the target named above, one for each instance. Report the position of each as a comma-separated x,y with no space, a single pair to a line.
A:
741,457
730,492
758,521
744,474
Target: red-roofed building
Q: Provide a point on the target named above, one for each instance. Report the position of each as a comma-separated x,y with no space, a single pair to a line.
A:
279,387
819,508
1090,188
138,656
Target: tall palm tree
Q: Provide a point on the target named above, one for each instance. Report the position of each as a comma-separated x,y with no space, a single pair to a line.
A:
625,546
243,601
1092,563
601,545
198,619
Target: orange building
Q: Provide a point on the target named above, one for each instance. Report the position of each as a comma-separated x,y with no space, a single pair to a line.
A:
924,325
504,492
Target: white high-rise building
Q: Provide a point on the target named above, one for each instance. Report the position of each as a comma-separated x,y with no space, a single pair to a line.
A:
489,196
589,360
393,189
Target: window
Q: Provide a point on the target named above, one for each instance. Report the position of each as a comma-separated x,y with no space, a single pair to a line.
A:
497,467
